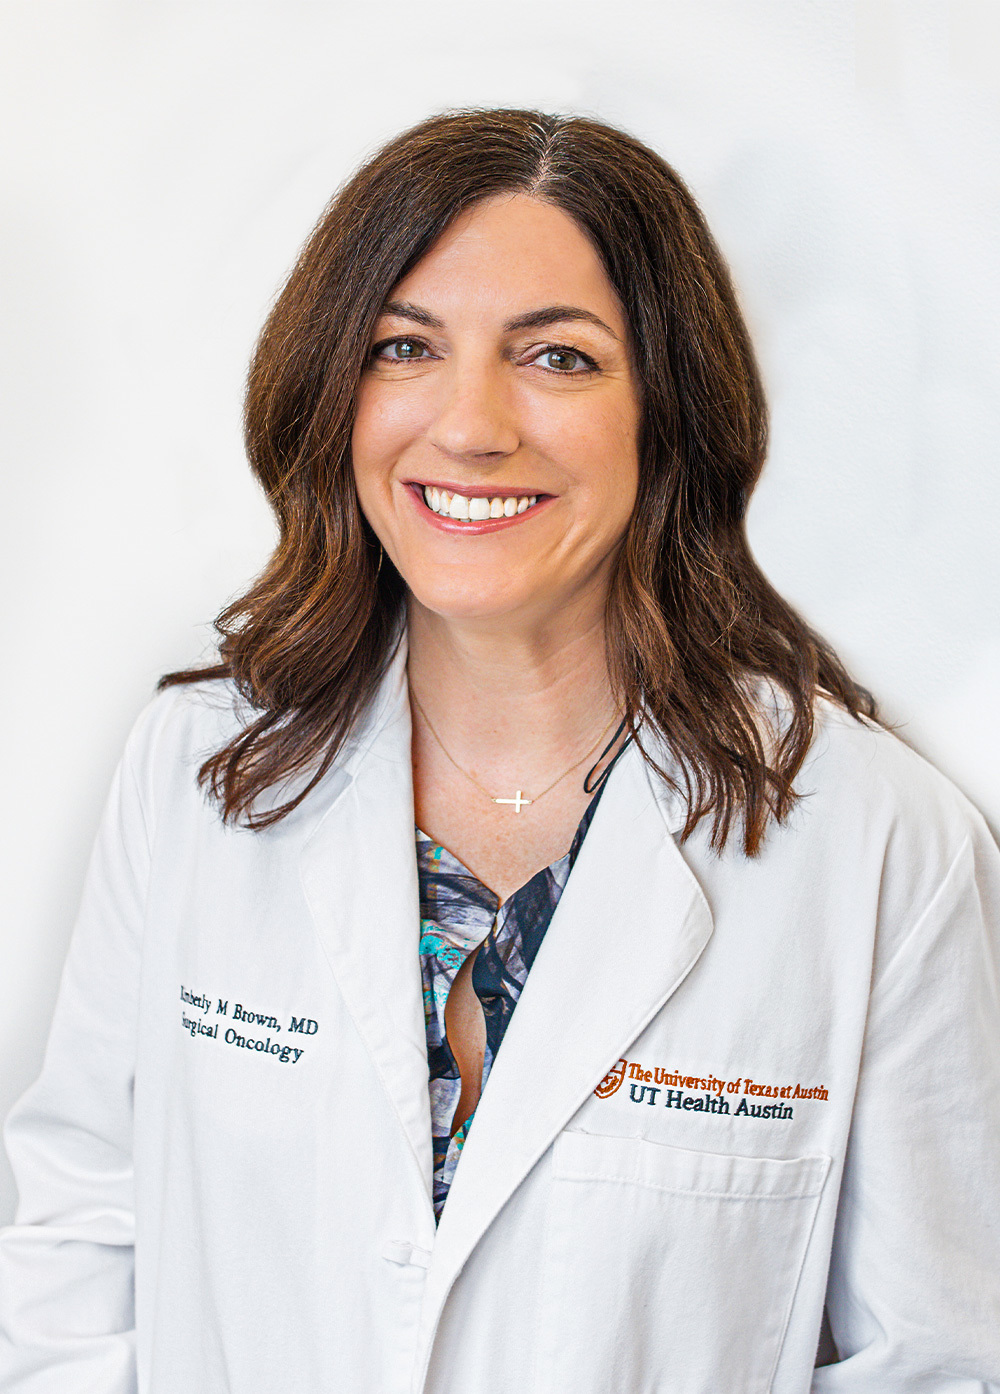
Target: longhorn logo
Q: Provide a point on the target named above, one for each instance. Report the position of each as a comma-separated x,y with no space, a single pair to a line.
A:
611,1081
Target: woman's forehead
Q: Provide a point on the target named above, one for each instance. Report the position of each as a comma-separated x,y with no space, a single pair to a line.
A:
511,254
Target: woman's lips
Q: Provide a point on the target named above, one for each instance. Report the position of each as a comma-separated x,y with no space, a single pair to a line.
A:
477,528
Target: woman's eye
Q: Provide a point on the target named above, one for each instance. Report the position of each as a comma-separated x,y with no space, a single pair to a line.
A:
403,350
565,360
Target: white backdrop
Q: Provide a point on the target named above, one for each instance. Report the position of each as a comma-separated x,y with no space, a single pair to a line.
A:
162,164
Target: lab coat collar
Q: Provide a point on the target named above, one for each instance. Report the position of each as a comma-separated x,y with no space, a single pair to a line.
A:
359,875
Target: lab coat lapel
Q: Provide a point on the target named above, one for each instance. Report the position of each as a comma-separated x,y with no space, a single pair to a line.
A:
629,926
359,874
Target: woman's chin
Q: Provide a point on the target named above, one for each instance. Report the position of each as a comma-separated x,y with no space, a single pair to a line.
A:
482,602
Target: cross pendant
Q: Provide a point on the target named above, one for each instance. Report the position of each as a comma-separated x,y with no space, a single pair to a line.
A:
517,802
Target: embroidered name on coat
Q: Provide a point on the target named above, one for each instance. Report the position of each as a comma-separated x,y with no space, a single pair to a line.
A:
197,1026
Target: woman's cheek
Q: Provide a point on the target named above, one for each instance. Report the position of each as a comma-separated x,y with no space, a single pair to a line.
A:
386,424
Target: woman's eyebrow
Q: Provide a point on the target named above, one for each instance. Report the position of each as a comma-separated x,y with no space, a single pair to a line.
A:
403,309
555,314
531,319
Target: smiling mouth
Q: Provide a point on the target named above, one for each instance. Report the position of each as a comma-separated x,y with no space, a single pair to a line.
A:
467,508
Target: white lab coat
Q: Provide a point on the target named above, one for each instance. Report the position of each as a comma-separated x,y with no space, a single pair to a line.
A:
235,1091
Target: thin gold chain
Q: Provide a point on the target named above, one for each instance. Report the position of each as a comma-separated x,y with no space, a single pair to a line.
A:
482,790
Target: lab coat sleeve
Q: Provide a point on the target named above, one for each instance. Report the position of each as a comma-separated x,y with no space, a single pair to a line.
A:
66,1265
914,1286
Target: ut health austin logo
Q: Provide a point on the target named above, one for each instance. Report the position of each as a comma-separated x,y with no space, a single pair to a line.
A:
611,1081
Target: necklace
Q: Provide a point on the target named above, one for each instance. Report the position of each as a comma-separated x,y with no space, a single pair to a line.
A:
518,801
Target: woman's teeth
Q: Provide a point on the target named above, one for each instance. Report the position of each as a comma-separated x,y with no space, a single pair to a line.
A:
475,510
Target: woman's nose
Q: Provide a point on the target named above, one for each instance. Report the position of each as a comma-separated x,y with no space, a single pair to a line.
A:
475,415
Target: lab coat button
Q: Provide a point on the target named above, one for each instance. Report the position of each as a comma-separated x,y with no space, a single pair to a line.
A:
399,1251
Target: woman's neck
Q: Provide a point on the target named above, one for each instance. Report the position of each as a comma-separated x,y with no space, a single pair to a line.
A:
508,700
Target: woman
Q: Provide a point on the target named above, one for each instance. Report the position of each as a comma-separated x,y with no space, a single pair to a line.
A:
523,962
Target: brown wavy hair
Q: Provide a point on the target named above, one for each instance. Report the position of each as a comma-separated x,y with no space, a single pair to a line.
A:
694,631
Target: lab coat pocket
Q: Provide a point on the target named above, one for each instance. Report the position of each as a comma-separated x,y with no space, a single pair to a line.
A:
670,1270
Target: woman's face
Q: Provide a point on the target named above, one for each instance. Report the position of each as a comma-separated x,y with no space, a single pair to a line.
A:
500,374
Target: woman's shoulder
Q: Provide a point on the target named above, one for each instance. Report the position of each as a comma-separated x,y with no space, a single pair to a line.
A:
178,729
189,714
868,771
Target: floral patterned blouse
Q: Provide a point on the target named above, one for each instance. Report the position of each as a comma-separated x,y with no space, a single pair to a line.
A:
457,915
